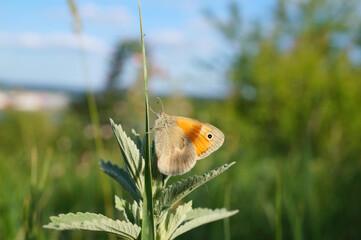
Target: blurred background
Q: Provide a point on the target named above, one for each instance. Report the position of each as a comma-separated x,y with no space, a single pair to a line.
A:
282,79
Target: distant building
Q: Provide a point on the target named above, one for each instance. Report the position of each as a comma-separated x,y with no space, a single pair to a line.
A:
33,100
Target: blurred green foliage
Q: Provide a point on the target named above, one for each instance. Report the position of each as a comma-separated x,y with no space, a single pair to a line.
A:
291,122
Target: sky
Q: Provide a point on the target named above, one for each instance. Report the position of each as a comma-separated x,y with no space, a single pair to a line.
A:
38,46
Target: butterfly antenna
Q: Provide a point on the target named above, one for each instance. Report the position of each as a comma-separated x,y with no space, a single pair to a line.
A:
161,103
152,110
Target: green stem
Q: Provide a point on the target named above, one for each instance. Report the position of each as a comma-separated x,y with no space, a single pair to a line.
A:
278,202
226,224
148,232
93,111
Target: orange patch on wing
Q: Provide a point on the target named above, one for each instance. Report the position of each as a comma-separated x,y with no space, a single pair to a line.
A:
192,129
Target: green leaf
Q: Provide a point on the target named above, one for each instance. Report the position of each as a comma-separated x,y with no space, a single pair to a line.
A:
94,222
175,192
131,212
120,205
148,228
137,140
122,177
132,158
200,216
170,221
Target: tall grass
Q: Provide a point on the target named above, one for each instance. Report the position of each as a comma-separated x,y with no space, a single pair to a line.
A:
92,106
148,227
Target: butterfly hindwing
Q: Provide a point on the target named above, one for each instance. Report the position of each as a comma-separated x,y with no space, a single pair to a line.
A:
174,150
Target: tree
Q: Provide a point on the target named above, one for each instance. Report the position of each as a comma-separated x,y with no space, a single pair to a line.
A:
297,87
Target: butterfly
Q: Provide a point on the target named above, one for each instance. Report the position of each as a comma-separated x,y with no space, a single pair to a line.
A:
181,141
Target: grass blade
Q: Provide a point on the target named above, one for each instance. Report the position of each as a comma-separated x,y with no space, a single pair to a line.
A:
148,232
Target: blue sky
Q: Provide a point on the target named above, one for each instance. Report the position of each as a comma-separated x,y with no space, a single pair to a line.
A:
38,46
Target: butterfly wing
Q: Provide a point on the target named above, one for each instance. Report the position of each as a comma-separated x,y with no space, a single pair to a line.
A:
174,149
205,137
180,141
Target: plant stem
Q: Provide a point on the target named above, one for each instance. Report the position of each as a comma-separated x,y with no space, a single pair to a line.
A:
226,225
278,202
148,232
92,107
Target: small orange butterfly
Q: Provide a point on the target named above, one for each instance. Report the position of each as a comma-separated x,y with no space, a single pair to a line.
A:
180,142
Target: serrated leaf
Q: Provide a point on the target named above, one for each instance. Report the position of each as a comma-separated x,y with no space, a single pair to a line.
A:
122,177
200,216
170,221
132,212
131,156
175,192
120,205
137,140
94,222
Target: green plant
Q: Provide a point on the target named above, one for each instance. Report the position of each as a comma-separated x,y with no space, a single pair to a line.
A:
152,213
169,224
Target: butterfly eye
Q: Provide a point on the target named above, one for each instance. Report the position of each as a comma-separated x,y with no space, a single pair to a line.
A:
209,136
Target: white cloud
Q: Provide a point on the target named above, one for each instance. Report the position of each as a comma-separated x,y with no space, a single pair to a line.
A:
105,14
55,40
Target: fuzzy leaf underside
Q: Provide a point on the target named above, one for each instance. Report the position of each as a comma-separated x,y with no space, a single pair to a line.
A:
131,155
122,177
131,212
94,222
172,220
200,216
175,192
